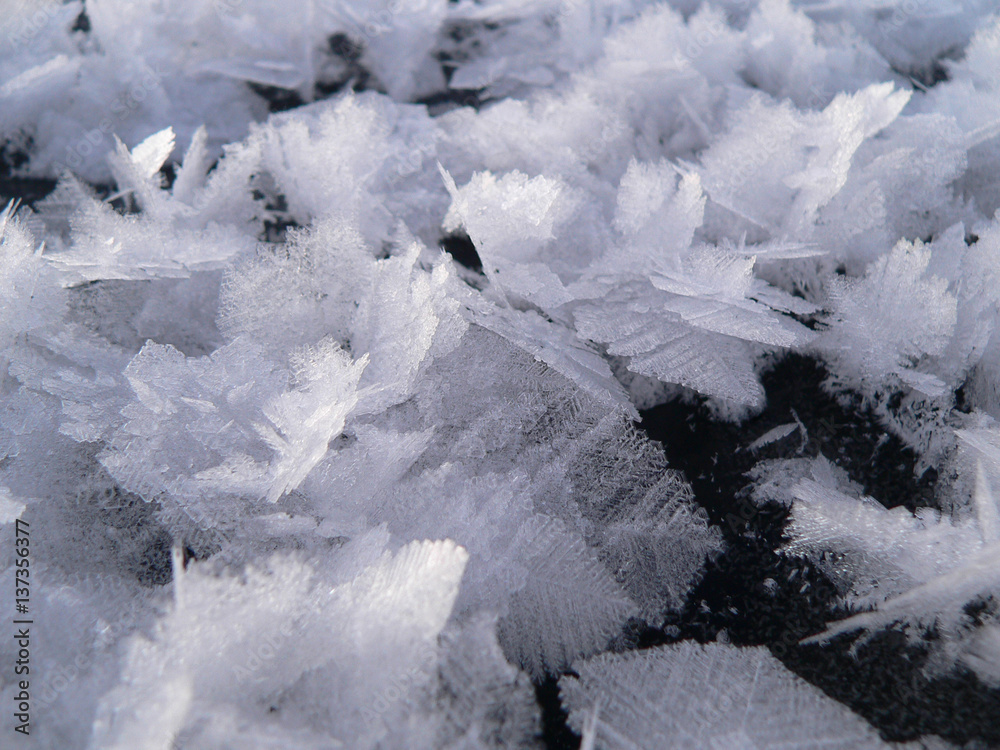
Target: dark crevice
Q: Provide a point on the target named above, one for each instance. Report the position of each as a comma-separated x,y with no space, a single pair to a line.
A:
963,401
281,100
28,190
348,52
14,156
460,247
82,23
444,101
125,204
347,49
927,77
125,528
155,567
342,70
277,219
556,734
275,230
168,174
190,554
278,99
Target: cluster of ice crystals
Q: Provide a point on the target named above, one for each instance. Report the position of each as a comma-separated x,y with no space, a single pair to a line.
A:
391,491
692,696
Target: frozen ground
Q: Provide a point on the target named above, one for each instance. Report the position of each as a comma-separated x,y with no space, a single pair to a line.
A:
496,373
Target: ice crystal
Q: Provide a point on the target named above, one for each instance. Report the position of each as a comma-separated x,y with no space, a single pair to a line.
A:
690,695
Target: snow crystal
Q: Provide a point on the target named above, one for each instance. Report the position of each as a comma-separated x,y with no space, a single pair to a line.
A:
690,695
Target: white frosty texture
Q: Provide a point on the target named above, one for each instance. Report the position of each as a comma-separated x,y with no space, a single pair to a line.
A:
230,650
890,320
348,415
21,267
229,333
681,314
919,570
705,696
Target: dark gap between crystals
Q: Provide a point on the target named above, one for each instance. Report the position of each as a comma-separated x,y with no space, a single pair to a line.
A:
556,733
461,248
82,23
28,190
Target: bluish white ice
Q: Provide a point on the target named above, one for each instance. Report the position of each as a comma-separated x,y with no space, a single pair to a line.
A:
405,490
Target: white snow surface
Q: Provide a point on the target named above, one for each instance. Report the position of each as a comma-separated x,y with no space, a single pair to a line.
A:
389,491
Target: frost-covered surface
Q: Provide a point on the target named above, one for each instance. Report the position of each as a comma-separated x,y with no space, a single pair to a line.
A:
295,477
696,696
